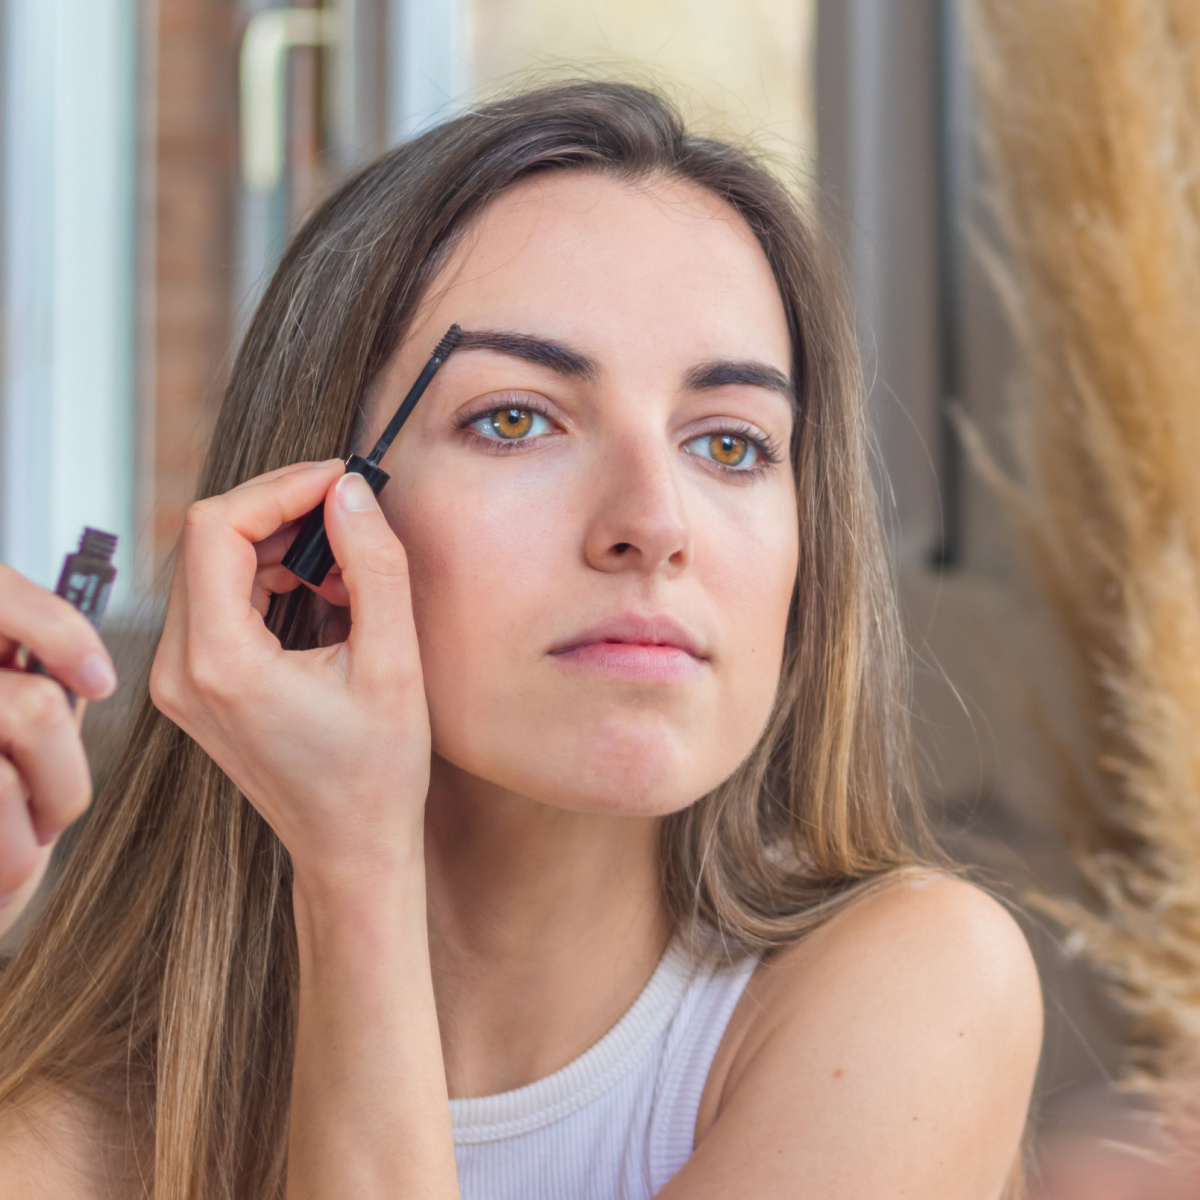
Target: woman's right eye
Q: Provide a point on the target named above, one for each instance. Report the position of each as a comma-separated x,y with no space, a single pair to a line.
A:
510,424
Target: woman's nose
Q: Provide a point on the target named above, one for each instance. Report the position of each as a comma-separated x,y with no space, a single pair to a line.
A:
638,522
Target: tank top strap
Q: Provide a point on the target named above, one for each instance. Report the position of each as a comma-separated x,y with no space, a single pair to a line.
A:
692,1043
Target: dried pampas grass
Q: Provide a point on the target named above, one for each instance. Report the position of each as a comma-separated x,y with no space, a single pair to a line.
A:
1091,115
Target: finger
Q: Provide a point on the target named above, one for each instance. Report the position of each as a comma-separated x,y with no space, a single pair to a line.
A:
277,578
61,637
268,582
334,589
375,572
263,505
271,479
273,581
18,845
218,547
272,549
280,472
38,736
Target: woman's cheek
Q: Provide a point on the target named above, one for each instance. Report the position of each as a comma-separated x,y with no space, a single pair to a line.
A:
750,575
484,570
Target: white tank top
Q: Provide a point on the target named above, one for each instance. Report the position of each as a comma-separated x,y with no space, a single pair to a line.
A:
619,1121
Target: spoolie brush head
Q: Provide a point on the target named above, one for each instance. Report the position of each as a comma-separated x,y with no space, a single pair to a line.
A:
310,555
452,338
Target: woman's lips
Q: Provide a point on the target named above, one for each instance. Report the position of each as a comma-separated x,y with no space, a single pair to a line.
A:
655,649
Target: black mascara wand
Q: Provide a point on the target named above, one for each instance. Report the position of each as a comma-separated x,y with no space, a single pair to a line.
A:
310,556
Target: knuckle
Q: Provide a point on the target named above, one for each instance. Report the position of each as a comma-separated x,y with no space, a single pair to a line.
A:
199,511
391,671
204,674
166,690
161,690
64,634
41,704
199,514
390,563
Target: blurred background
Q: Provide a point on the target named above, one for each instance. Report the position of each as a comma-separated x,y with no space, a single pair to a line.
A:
156,154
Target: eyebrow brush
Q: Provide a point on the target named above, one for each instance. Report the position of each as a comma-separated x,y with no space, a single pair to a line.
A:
310,556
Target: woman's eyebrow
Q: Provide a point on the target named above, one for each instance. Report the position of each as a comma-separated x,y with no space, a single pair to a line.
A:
708,376
545,352
540,351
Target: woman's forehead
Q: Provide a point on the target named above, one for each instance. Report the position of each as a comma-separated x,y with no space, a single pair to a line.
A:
604,262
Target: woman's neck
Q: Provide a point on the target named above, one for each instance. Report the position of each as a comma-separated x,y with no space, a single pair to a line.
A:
544,927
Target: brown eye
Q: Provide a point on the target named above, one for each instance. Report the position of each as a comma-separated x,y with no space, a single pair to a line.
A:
512,422
727,449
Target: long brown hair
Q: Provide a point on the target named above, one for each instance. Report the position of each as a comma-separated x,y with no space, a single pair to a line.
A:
161,980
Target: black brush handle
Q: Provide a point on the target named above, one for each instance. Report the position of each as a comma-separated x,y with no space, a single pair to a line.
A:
310,557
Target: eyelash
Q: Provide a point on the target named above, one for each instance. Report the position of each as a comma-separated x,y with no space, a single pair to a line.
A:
769,451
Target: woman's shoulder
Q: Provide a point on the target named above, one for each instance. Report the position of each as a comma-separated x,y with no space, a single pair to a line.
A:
936,948
919,1002
62,1148
934,935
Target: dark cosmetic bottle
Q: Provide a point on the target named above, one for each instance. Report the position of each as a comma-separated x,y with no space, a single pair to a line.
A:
85,582
87,575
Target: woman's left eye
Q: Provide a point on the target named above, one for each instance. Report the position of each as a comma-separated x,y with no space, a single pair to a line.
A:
730,450
510,424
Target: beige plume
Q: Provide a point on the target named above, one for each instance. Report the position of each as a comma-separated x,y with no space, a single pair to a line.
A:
1091,118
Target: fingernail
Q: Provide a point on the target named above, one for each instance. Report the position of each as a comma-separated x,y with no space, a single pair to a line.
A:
354,493
96,675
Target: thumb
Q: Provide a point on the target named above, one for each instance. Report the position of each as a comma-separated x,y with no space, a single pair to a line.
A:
382,640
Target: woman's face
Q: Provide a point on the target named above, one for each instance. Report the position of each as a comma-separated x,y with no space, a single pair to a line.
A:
596,496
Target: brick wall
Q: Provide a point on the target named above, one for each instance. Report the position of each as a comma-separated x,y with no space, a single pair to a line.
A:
195,147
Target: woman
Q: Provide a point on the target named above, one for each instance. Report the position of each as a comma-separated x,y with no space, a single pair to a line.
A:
576,859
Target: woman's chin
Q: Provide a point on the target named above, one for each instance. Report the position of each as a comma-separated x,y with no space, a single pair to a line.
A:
636,767
620,768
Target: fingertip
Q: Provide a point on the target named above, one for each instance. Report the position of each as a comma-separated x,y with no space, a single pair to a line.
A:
309,467
354,494
325,465
96,676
